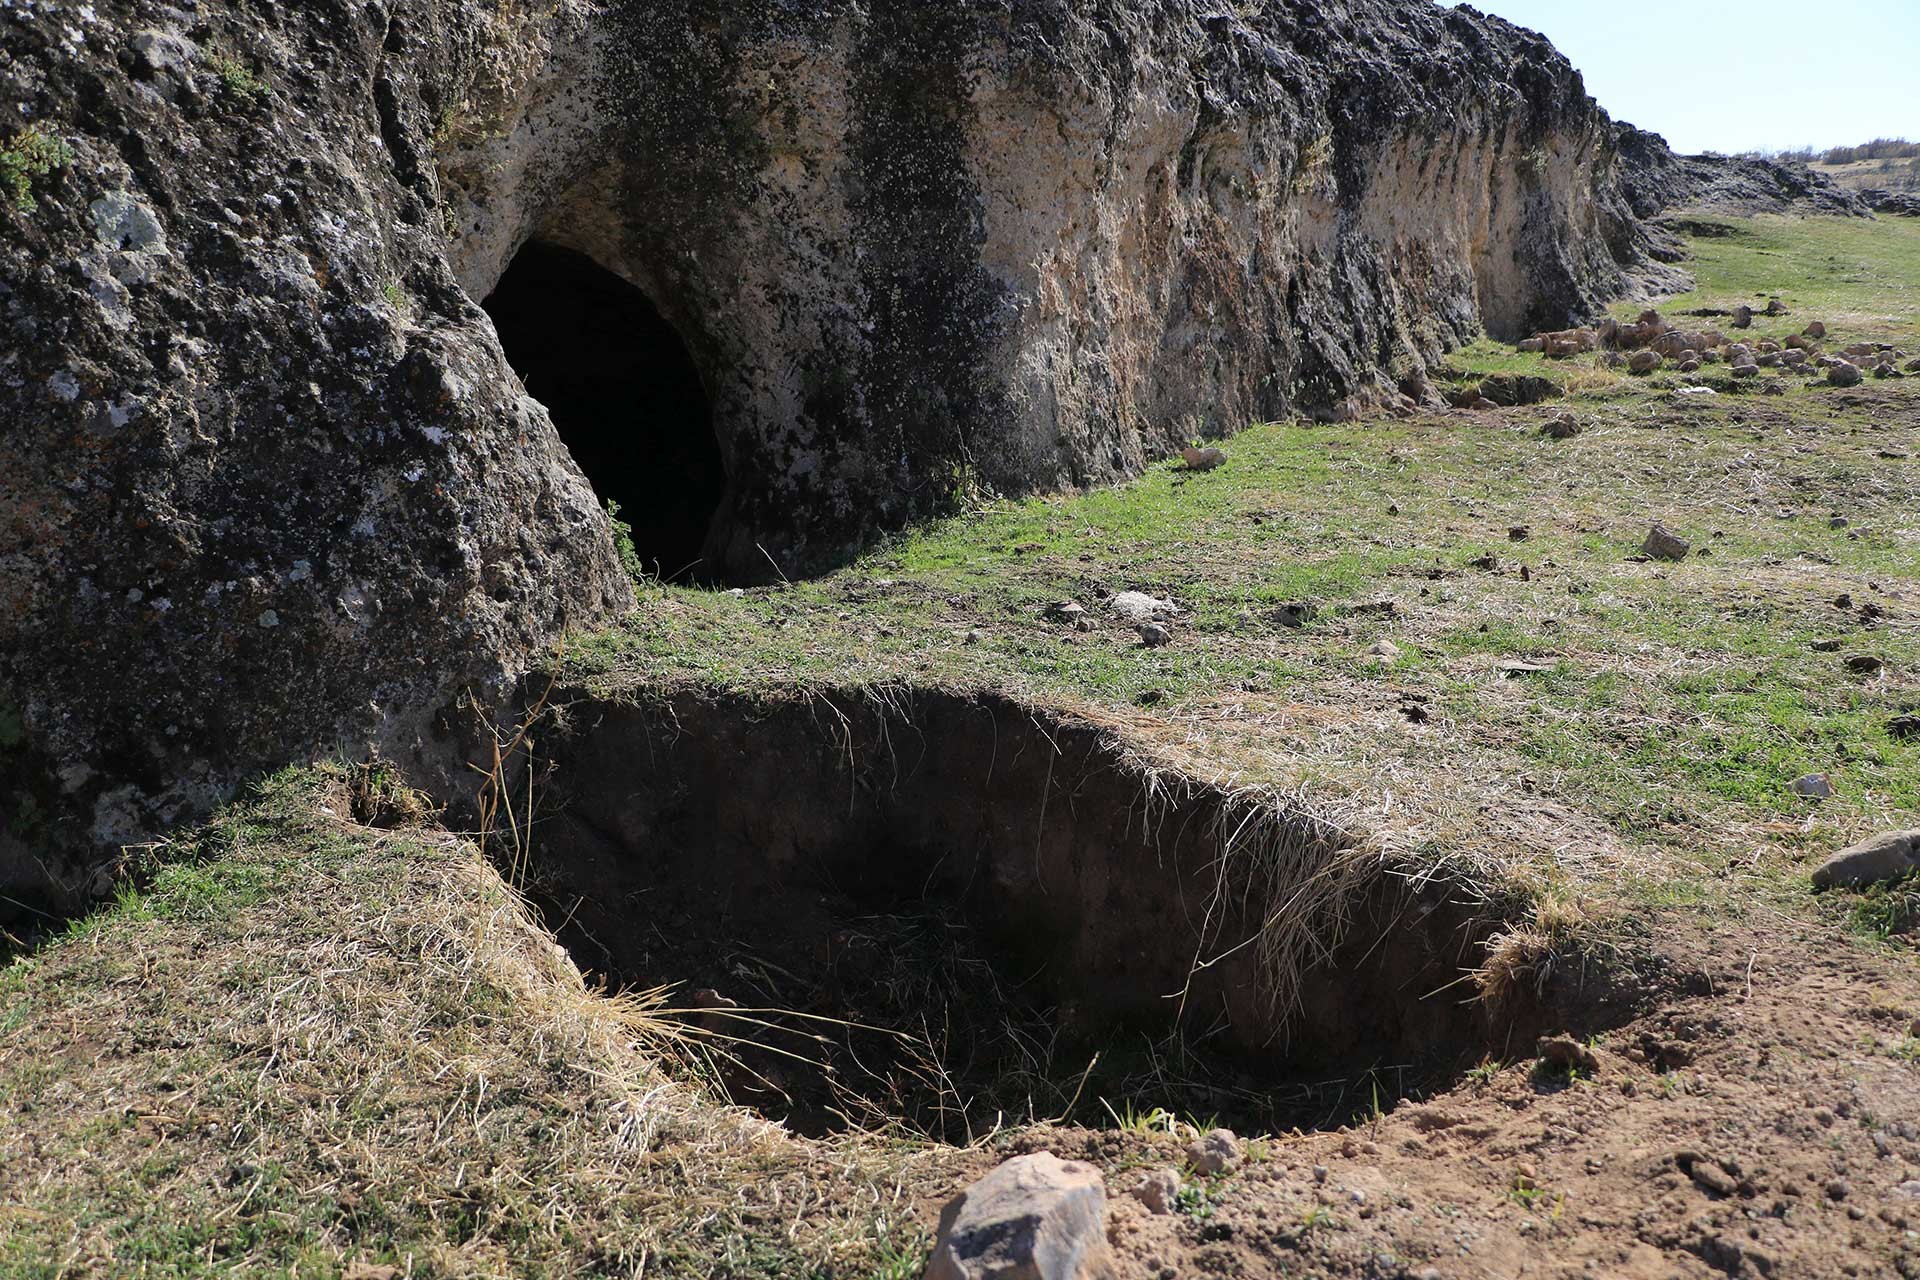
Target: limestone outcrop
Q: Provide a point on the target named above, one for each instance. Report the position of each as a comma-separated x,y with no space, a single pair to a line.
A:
269,485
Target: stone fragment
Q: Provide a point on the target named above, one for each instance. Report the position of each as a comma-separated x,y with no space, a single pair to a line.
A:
1138,607
1663,544
1709,1176
1036,1217
1295,613
1510,390
1157,1190
1886,856
1215,1152
1567,1054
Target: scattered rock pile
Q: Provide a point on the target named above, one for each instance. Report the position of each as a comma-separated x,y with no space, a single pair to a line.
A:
1652,343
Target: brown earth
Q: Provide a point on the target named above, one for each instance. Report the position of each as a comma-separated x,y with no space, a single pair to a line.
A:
1784,1058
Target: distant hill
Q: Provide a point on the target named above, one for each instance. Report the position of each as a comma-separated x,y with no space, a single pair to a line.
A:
1889,163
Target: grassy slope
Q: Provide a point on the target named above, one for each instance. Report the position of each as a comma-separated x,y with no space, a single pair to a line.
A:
1683,700
311,1047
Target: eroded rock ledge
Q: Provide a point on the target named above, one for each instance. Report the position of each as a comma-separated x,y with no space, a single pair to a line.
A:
270,487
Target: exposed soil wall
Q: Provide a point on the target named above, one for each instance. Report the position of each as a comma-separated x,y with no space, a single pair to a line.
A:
676,831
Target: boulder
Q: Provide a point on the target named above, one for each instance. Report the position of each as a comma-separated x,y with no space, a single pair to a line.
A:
1887,856
1036,1217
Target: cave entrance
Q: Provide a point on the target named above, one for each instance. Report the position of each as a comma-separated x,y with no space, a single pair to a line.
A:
624,394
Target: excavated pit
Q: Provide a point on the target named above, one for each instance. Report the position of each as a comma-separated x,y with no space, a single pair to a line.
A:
970,912
624,395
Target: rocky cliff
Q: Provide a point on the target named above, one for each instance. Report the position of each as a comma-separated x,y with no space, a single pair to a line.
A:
269,486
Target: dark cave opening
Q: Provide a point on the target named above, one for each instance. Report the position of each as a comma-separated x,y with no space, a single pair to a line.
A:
624,394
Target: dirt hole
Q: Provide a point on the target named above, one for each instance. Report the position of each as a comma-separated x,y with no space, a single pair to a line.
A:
624,394
963,912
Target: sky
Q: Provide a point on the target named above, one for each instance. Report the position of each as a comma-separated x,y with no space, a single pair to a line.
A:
1744,76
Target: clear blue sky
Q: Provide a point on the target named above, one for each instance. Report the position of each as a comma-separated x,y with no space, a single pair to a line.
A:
1746,75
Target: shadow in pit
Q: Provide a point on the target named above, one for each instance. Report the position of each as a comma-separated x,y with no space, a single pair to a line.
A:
952,911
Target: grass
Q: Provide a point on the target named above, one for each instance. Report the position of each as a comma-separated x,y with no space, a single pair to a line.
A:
1860,274
31,154
306,1045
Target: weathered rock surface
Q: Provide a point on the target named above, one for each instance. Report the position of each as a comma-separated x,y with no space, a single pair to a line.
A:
271,487
1904,204
1035,1217
1656,180
1886,856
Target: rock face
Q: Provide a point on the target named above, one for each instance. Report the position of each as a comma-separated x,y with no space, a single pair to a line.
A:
1886,856
270,486
1655,179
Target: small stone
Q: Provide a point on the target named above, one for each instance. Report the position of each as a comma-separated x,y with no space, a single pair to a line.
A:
1295,613
1137,607
1214,1153
1663,544
1153,635
1156,1190
1709,1176
1036,1217
1567,1054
